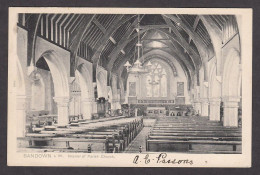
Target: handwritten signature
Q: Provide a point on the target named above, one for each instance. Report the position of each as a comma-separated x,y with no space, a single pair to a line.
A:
160,159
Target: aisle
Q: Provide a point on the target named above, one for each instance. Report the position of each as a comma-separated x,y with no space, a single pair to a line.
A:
133,147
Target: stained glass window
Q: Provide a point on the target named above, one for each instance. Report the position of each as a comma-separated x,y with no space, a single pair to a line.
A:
156,81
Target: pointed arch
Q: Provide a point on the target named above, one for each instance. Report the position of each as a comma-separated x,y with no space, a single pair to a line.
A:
214,84
58,72
231,74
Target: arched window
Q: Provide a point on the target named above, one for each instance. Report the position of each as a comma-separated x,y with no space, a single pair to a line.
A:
156,81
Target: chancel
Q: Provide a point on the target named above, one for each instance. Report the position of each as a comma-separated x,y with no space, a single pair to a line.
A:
128,83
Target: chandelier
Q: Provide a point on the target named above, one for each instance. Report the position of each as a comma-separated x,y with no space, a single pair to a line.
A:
137,67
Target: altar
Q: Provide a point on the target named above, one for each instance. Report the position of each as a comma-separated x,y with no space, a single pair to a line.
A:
158,111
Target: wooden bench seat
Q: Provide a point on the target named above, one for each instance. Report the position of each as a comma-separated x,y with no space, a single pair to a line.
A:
194,138
172,145
110,138
196,128
193,131
217,134
214,152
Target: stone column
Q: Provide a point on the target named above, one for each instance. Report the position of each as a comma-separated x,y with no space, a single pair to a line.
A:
204,107
87,105
214,109
115,104
118,105
231,111
63,110
21,107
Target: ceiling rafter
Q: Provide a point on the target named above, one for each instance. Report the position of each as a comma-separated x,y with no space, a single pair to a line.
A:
102,42
128,55
76,17
121,44
194,36
171,47
154,26
210,25
74,27
175,48
127,39
103,29
196,21
183,43
84,25
195,24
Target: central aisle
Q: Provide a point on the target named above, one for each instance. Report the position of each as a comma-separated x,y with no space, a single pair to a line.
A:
133,147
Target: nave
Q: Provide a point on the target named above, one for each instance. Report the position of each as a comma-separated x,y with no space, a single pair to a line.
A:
192,134
128,83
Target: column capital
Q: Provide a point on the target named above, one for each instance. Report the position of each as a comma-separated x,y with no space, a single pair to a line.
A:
206,84
115,100
196,100
204,100
231,99
231,102
215,99
219,79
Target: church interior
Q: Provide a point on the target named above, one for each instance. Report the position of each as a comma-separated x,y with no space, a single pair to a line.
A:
128,83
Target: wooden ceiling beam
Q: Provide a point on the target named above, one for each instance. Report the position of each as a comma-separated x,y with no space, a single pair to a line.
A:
102,28
102,42
83,27
121,44
196,58
163,39
201,46
154,26
188,72
196,22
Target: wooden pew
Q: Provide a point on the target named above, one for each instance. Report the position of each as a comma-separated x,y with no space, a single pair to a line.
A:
221,138
155,145
198,134
184,134
111,139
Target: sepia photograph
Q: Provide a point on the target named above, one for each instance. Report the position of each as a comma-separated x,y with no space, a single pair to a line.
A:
129,87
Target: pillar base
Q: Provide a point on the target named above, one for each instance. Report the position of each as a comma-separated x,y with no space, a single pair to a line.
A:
214,109
231,111
204,107
87,105
63,110
21,107
197,107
